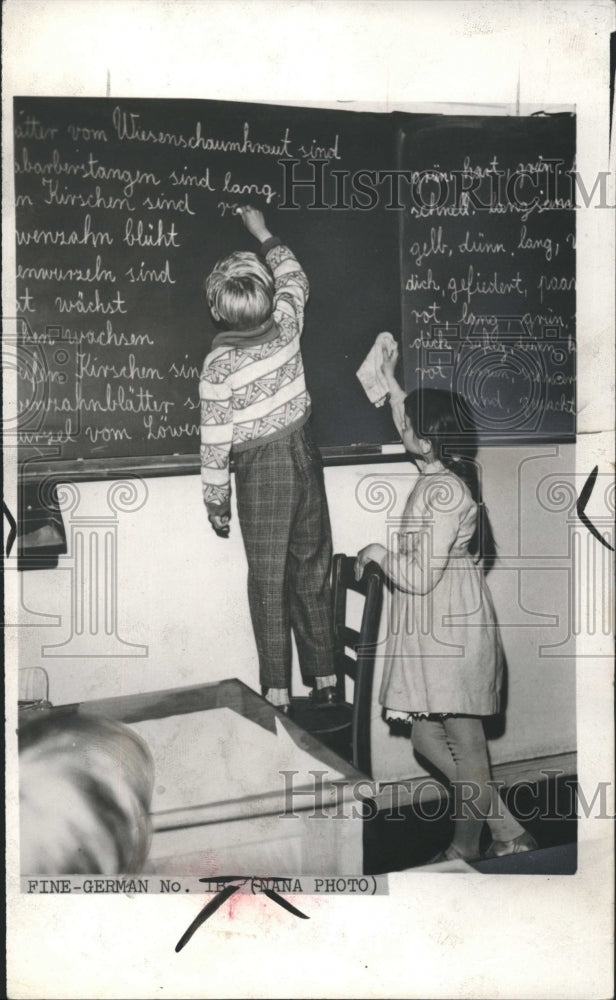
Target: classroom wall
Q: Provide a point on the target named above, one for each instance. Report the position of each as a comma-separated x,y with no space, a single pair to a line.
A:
151,573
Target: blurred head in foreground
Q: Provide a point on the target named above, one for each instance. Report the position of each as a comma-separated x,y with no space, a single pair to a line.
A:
85,790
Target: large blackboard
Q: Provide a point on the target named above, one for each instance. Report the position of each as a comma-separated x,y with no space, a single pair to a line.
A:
123,206
487,259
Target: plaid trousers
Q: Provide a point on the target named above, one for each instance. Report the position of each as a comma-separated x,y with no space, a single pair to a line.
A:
285,525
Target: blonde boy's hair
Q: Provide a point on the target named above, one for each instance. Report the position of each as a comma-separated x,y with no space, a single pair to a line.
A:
85,791
241,290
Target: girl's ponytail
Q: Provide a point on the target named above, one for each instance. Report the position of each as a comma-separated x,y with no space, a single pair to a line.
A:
444,419
482,543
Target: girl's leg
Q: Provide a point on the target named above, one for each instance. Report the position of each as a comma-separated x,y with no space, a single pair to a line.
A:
430,740
457,748
472,795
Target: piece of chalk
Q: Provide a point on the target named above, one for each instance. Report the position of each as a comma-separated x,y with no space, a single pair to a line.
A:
237,211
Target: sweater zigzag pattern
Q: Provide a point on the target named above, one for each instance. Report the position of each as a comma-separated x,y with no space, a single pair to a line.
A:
251,391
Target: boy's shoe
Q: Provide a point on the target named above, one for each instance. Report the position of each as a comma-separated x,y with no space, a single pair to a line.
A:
324,697
499,848
283,709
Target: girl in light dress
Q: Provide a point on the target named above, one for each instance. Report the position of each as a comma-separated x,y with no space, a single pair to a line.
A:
444,661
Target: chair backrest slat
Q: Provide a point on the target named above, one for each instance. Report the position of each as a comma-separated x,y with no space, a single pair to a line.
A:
349,637
363,641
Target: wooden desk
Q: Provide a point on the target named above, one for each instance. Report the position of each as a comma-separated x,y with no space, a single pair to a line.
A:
221,803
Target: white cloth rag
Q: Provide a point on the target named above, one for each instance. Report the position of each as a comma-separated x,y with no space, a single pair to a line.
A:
369,373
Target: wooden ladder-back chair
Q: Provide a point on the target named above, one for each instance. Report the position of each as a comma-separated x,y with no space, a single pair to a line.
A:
345,727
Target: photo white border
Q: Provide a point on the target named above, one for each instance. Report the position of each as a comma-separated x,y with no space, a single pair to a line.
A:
433,936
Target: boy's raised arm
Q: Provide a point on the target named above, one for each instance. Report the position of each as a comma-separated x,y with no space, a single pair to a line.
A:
290,282
254,221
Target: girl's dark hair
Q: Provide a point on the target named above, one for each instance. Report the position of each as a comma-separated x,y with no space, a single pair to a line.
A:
444,419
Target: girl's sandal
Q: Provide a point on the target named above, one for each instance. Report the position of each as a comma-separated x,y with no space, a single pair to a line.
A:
450,853
500,848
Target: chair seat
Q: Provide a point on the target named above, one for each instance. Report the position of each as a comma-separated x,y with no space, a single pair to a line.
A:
322,719
332,725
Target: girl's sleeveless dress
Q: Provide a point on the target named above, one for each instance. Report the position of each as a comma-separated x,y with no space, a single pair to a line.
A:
444,652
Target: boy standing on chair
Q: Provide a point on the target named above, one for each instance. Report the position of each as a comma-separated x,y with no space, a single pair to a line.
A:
255,408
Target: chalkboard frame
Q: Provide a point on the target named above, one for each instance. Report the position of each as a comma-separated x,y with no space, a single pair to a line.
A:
87,470
46,466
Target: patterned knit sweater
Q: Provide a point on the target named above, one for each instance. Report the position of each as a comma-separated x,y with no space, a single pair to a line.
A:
252,386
